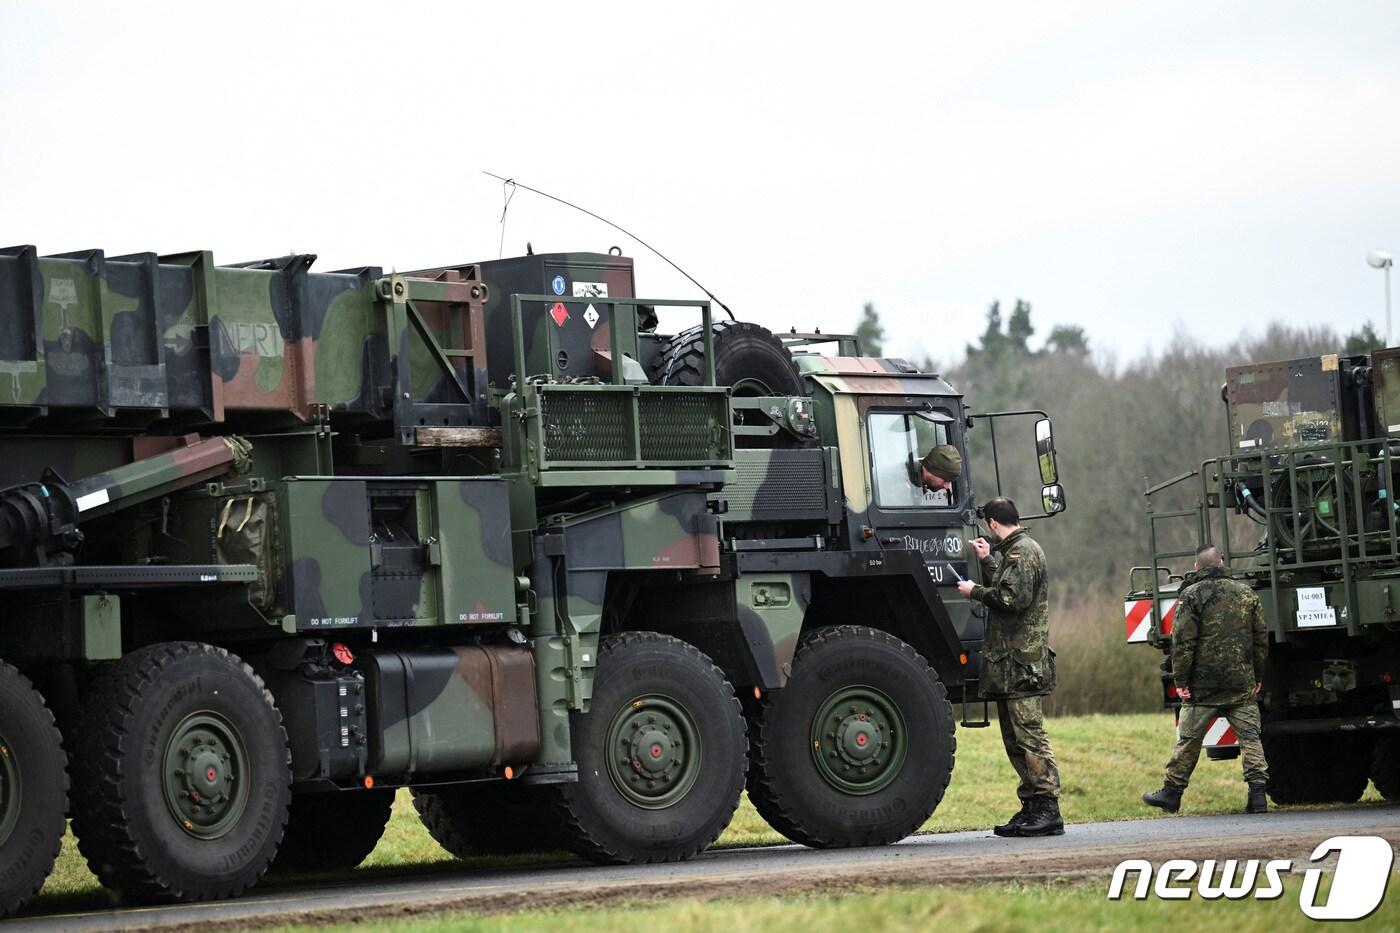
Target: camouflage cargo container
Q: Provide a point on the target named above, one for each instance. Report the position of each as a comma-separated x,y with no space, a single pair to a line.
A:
1296,403
275,543
1303,509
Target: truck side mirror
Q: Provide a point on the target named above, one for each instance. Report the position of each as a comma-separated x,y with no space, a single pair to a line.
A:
1045,453
1052,498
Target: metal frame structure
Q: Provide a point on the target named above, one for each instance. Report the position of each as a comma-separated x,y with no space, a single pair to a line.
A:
1376,552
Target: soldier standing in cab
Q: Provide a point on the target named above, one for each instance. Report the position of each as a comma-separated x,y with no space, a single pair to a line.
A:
1018,667
1219,646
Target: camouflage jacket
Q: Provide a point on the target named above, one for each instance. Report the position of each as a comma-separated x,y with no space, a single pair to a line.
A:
1016,656
1219,642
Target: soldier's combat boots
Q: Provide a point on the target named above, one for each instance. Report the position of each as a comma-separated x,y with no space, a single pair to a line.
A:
1168,798
1008,828
1043,819
1258,802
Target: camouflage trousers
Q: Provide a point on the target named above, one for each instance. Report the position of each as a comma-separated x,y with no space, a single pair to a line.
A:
1028,747
1191,730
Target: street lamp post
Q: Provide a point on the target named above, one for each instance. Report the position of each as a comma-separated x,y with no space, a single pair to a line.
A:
1383,261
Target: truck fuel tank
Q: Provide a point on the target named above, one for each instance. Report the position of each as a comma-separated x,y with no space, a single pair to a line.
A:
441,710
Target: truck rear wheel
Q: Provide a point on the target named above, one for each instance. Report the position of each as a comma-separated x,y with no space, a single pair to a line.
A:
660,754
33,790
489,819
333,832
748,357
1385,767
181,774
858,748
1316,768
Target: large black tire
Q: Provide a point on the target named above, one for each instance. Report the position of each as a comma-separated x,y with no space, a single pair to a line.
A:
489,819
160,722
1317,768
1385,767
660,701
333,832
748,357
816,773
33,791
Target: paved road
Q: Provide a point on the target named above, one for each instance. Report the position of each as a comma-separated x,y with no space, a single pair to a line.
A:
1087,850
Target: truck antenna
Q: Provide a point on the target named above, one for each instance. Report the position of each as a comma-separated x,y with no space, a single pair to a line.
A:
709,294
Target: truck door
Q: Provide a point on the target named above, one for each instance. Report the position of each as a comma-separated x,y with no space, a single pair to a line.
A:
902,514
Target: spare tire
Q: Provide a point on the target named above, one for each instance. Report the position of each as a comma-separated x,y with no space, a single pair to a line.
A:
748,357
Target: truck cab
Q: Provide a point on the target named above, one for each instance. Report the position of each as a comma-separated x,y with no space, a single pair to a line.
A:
883,415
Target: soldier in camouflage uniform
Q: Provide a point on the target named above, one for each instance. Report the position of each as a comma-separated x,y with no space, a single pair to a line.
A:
1018,667
1219,644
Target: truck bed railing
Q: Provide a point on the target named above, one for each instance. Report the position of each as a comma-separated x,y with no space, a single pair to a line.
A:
588,432
1327,510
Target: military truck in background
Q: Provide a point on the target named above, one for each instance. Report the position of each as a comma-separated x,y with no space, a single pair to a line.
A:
275,543
1303,508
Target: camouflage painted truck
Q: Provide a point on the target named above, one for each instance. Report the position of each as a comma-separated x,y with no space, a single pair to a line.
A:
275,543
1303,508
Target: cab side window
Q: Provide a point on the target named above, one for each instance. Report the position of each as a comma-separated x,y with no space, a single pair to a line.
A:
895,438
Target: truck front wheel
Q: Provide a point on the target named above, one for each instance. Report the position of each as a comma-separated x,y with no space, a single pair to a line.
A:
181,775
33,790
857,749
660,754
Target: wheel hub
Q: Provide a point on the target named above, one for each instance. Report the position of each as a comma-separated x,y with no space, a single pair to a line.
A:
9,790
858,740
204,762
653,752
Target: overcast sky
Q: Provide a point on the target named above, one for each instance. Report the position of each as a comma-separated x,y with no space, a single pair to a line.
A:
1203,167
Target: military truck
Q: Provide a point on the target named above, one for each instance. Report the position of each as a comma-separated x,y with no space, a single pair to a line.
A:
1303,509
276,543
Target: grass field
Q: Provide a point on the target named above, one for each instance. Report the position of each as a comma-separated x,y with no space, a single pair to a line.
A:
1106,762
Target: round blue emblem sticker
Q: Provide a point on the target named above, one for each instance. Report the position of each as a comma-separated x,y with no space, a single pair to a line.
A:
558,285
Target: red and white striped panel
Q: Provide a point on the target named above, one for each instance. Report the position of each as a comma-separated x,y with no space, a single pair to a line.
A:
1166,608
1219,734
1137,618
